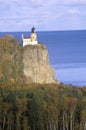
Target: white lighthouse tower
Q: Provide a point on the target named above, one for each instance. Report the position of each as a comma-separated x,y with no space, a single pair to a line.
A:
32,40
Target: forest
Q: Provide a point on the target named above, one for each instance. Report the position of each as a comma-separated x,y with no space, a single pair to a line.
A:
42,107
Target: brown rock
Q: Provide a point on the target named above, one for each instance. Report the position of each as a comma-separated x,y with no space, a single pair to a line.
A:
36,66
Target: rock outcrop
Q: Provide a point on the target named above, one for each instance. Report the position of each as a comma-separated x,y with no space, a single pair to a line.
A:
25,64
36,66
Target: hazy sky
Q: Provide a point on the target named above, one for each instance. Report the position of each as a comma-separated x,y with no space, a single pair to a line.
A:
21,15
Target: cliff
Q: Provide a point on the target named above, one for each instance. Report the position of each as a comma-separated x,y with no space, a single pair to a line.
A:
36,66
26,64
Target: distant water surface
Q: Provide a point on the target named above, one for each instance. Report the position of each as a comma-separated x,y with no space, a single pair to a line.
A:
67,52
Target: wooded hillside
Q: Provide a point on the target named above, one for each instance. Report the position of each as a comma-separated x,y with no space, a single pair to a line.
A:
42,107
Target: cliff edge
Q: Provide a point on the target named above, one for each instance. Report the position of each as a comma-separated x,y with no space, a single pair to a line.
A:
36,66
25,64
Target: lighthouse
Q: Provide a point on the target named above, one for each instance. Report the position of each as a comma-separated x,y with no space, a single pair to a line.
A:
32,40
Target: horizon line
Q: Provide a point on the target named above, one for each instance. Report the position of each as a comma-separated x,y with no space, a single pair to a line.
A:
45,30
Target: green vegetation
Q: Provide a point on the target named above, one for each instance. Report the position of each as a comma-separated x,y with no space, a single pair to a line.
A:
42,107
10,59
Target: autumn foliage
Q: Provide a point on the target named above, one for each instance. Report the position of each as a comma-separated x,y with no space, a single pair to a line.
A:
42,107
10,60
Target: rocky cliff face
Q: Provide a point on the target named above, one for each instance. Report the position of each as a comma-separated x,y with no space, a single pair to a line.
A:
27,64
36,66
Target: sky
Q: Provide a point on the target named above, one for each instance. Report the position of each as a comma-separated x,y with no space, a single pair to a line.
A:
21,15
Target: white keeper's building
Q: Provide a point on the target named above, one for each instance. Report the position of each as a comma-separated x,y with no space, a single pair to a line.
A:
32,40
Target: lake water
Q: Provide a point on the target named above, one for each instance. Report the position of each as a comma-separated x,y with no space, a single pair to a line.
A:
67,53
